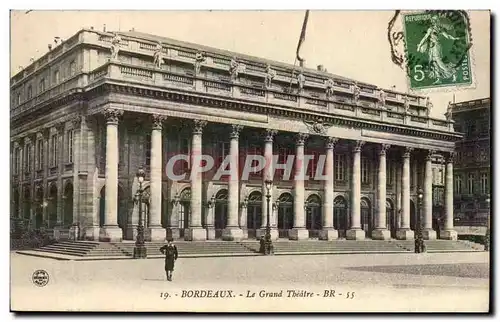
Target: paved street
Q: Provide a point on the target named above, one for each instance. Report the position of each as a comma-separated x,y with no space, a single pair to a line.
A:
385,282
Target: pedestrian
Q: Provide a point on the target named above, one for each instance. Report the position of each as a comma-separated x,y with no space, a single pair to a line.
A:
171,254
262,248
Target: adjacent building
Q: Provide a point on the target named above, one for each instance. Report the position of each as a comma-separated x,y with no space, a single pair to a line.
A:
99,106
472,176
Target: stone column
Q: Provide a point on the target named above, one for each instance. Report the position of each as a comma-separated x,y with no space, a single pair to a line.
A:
110,230
448,232
156,231
232,230
299,230
196,231
77,151
20,177
428,232
329,232
45,155
60,128
404,231
267,173
356,232
381,232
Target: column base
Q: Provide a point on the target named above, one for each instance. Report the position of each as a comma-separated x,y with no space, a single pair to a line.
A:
328,234
92,233
157,233
355,234
262,232
56,233
232,234
298,234
194,234
381,234
211,233
405,234
448,234
130,232
173,233
111,234
429,234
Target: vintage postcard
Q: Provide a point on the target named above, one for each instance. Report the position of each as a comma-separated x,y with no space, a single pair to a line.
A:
250,161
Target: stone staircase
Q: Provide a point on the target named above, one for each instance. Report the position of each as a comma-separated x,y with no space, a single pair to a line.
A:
337,247
105,250
444,246
203,248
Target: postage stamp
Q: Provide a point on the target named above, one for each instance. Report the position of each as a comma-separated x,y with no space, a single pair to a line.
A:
437,46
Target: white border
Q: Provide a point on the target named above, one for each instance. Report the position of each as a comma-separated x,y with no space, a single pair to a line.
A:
190,4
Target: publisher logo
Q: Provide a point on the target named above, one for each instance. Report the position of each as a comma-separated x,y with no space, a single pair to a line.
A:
40,277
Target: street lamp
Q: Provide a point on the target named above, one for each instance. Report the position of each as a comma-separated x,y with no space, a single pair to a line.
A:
419,240
268,244
140,250
487,236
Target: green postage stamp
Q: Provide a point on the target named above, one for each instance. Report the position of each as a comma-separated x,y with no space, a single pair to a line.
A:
438,49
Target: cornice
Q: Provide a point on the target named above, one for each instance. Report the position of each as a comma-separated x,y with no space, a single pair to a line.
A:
227,103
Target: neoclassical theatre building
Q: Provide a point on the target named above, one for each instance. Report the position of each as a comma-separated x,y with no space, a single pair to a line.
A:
98,106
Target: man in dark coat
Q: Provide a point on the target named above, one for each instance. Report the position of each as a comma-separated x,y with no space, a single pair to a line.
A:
171,254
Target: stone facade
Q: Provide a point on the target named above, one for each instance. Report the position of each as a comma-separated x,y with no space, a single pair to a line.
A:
472,176
79,139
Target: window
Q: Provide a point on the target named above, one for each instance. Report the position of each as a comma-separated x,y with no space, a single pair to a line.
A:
471,128
458,184
185,148
39,154
365,170
147,145
72,68
484,183
70,146
29,93
312,164
55,78
17,159
41,87
283,154
222,152
53,150
27,157
253,150
340,161
470,183
18,99
390,170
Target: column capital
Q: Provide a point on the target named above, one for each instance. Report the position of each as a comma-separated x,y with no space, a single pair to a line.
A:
358,145
157,120
428,155
330,142
112,115
76,122
407,152
45,131
20,141
300,138
235,131
59,127
269,135
383,148
198,126
450,157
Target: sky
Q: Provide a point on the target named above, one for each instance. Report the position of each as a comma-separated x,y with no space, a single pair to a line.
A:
348,43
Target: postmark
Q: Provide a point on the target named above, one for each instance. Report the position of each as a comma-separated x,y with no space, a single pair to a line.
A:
40,277
437,49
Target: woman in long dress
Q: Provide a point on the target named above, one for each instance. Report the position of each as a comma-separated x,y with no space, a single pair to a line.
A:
432,45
